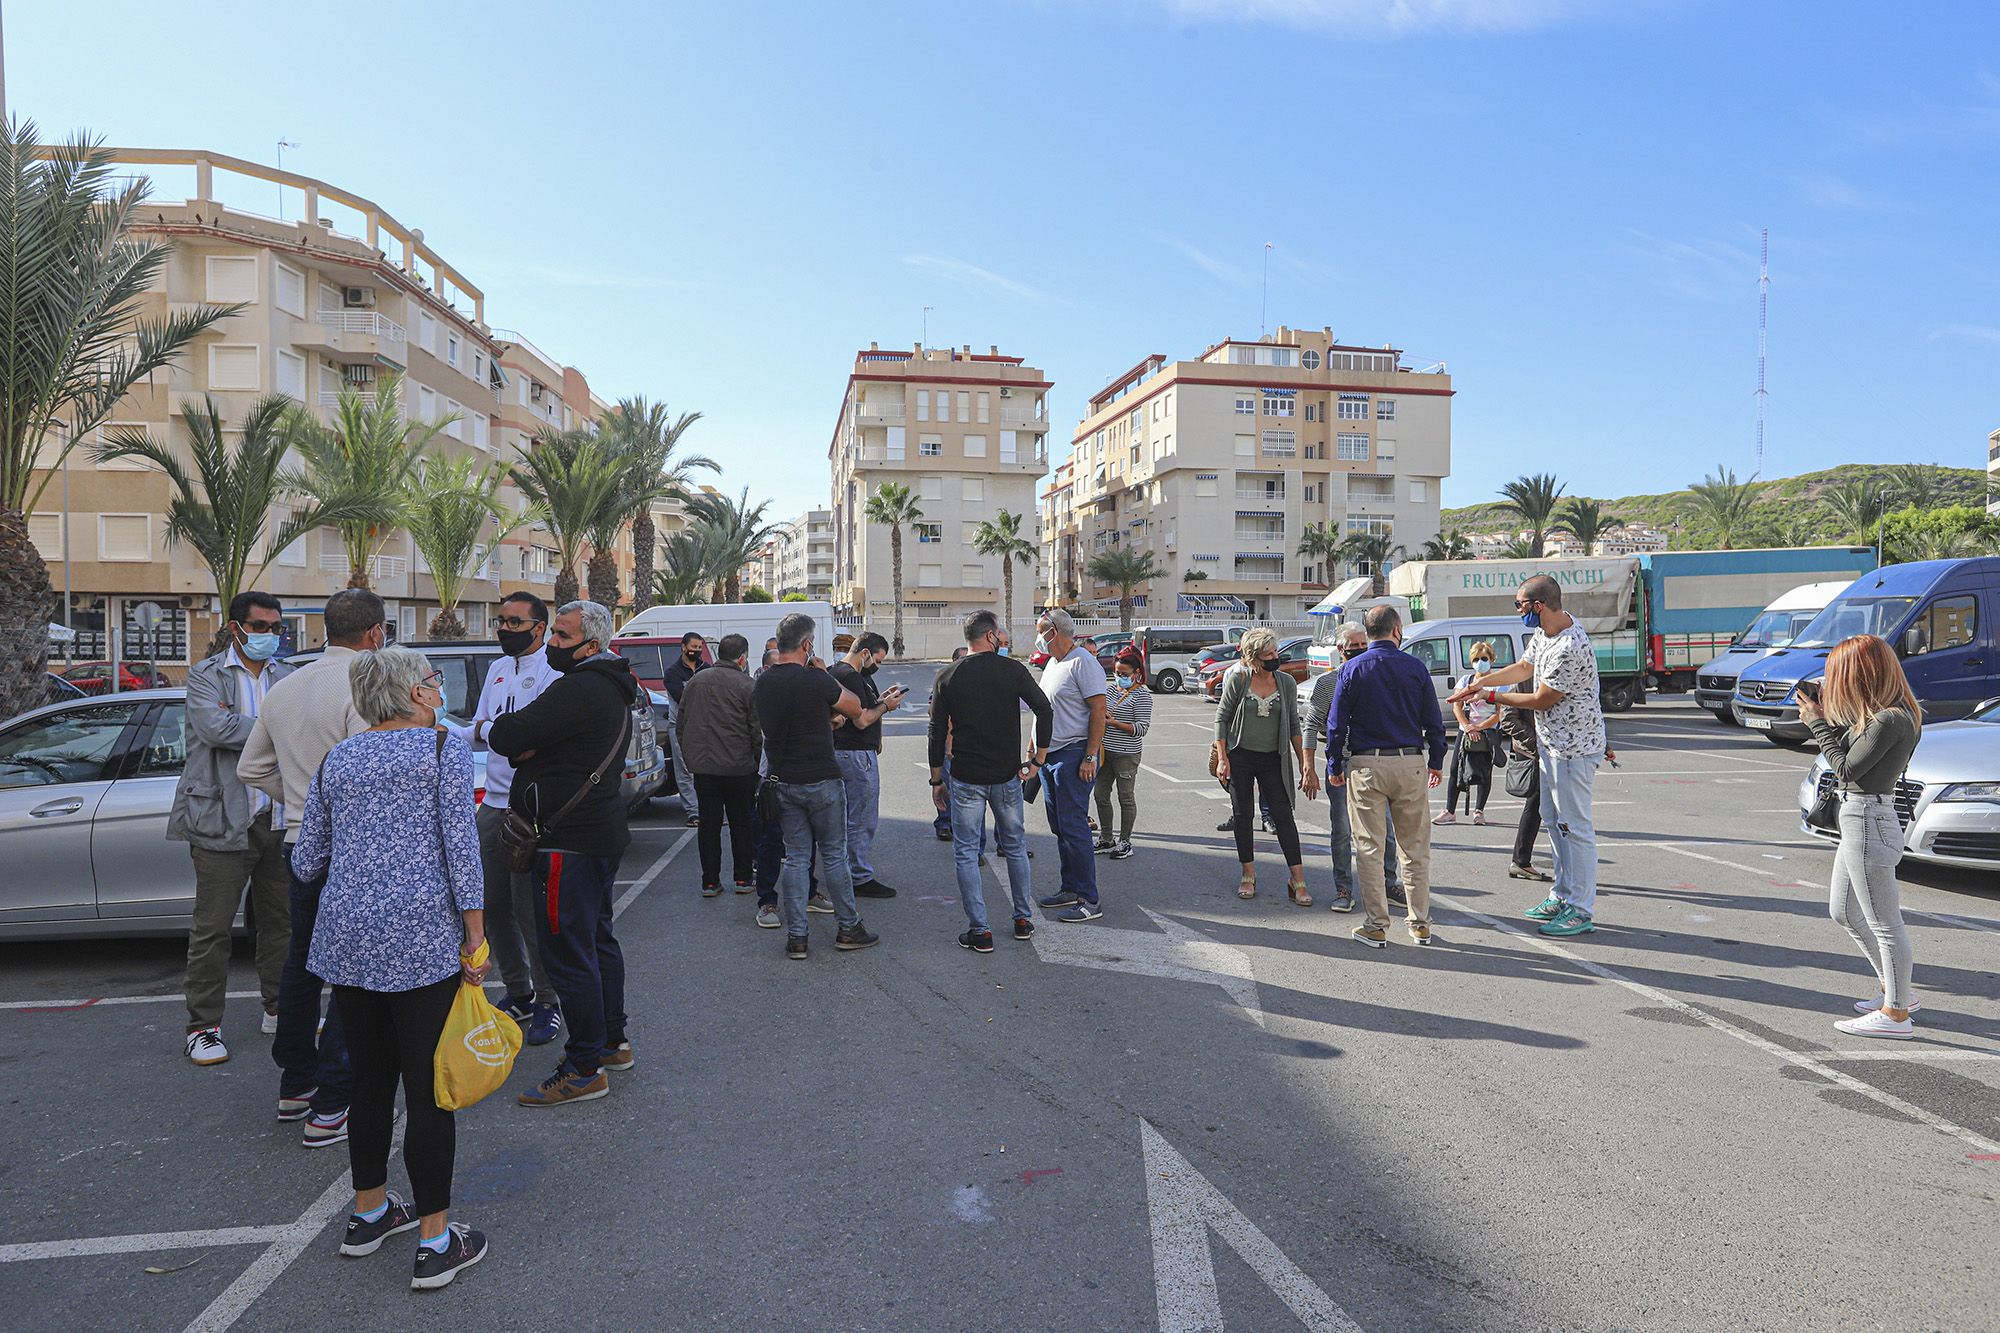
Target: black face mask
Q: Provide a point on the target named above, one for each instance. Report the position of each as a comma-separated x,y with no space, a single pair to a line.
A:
692,657
869,671
1267,663
1353,652
514,642
567,659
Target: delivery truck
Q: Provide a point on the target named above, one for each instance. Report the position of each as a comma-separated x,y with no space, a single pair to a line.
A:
1697,602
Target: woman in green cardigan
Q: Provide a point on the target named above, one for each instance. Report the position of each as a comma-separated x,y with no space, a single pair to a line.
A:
1257,744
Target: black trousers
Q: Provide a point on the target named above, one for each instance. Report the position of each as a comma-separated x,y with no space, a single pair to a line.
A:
1478,766
391,1036
1266,769
1531,821
716,794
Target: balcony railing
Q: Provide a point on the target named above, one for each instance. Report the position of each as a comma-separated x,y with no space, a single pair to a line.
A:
379,566
1019,417
868,411
1260,496
361,321
331,401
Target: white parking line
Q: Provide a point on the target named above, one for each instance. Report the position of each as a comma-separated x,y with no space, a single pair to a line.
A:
1887,1052
145,1243
1981,923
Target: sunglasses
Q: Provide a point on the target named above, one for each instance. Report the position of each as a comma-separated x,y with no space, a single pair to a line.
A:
516,622
262,626
1522,606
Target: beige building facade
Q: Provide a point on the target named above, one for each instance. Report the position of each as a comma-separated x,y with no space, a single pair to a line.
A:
327,308
968,434
805,556
1219,466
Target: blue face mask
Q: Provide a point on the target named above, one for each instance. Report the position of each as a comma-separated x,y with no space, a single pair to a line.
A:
259,647
1002,650
1532,619
1482,666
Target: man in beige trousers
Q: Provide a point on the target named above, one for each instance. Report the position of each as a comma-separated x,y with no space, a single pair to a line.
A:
1383,722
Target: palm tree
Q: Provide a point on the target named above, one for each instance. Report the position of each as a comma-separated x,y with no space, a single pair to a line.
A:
1366,548
1932,543
734,532
72,344
1584,520
687,567
1002,537
1452,545
648,432
574,481
1128,568
1725,503
1533,499
221,503
1916,485
1855,506
446,506
1518,548
893,505
1195,576
1321,544
363,463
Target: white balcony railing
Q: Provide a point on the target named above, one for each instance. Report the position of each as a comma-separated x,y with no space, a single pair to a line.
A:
379,566
331,401
1257,496
361,321
1020,417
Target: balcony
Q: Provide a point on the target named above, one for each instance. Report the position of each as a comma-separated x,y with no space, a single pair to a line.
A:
331,401
878,413
379,566
356,337
1021,418
1260,495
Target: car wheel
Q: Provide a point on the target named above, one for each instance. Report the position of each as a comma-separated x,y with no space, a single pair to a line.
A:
1618,696
1167,682
1727,717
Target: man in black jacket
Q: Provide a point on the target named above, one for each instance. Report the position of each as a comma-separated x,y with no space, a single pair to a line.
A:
674,681
978,706
559,744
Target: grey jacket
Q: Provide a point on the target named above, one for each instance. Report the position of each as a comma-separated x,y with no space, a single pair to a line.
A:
717,723
1229,717
211,805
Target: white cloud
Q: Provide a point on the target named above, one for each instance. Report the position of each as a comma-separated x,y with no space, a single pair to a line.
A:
1201,259
972,275
1702,270
1393,18
1970,333
1823,189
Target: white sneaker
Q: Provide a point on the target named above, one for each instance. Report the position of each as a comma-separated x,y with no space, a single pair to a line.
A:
1870,1006
270,1025
205,1047
1878,1024
1446,818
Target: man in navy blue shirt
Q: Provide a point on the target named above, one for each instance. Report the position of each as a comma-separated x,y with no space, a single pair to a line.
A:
1384,721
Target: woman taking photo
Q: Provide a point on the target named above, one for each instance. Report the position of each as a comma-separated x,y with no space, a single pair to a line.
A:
1866,721
1257,744
1472,760
389,822
1128,716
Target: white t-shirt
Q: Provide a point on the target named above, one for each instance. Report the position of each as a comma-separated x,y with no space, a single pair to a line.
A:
1477,709
511,685
1071,683
1566,662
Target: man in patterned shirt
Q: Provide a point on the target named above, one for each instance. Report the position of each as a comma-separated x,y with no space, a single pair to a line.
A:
1569,731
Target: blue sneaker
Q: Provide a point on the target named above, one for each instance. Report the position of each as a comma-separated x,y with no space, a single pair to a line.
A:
1548,909
544,1025
1569,921
520,1008
1063,899
1083,911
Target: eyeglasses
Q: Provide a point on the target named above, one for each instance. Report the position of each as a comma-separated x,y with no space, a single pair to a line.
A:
435,680
515,622
262,626
1522,606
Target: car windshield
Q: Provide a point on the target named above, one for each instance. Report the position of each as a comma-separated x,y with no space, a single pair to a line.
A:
1990,713
1849,616
1773,629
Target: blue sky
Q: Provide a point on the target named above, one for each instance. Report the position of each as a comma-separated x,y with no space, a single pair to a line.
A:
717,204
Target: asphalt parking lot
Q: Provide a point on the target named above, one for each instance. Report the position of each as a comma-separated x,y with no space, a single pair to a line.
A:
1194,1112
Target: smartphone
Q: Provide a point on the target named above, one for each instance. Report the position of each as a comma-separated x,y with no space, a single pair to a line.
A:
1810,690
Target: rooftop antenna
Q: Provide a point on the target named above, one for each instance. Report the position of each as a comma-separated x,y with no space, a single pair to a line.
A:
927,324
283,144
1763,299
1264,309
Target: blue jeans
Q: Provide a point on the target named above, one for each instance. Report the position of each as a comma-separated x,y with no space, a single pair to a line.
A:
814,816
573,892
967,804
308,1061
861,775
1566,787
1066,796
1343,847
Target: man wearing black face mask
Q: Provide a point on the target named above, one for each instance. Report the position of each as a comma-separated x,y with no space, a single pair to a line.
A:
857,748
514,682
694,649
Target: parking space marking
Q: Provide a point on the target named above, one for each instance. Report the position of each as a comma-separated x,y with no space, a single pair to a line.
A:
653,872
1979,923
1810,1063
144,1243
1908,1053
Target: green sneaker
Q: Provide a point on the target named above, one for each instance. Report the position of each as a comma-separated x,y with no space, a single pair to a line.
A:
1569,921
1546,910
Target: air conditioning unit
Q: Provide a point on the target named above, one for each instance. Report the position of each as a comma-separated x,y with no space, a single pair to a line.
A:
356,376
358,298
535,392
1006,392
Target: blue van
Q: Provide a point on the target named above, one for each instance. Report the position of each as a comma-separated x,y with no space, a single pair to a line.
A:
1941,616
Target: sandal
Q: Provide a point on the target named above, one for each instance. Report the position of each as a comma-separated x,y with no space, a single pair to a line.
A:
1296,891
1247,887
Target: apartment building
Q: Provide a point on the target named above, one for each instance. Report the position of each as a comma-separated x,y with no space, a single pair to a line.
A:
1057,537
968,434
341,296
805,556
1219,466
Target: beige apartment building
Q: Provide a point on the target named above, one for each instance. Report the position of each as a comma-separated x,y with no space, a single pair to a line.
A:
805,556
1219,465
342,296
968,434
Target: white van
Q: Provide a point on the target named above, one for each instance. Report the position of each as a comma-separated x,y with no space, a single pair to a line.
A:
1775,626
755,621
1445,646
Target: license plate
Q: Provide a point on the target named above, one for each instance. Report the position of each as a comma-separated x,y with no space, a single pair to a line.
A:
1757,723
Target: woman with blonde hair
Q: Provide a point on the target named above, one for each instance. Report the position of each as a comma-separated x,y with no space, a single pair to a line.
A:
1258,744
1866,721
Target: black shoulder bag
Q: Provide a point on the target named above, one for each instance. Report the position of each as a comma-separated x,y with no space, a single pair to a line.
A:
522,836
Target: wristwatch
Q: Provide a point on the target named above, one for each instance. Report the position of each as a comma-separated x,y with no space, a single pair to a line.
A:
937,782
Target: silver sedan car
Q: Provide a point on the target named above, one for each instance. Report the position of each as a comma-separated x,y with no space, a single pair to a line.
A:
1949,800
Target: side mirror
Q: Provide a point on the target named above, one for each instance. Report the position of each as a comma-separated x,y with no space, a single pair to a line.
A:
1913,641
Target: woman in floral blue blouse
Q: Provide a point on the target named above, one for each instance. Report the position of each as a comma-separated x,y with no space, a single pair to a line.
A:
389,822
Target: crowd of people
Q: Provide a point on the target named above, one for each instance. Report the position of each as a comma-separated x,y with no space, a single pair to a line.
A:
340,796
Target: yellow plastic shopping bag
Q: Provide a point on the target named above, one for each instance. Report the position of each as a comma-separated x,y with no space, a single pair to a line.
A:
476,1052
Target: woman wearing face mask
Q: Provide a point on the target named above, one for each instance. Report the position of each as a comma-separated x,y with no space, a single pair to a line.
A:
1128,716
389,821
1258,745
1472,764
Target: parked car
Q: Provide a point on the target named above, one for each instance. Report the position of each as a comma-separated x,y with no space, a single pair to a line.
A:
1195,672
1948,799
95,677
1775,627
651,655
1166,646
1294,659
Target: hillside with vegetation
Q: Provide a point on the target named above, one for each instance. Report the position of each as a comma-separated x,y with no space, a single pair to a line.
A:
1927,511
